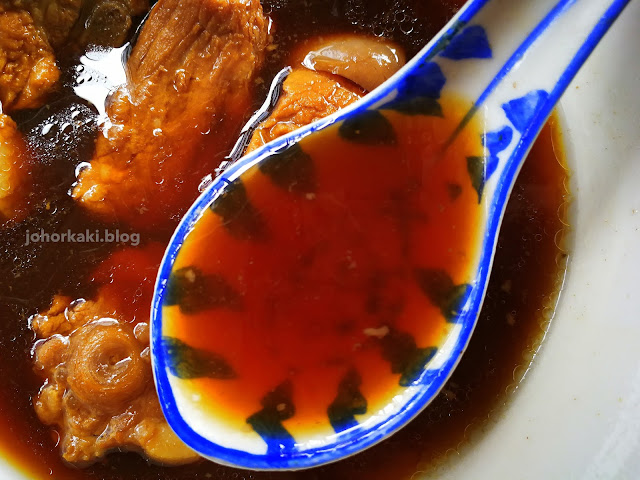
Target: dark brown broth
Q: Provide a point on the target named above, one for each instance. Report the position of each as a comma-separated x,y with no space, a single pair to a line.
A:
523,286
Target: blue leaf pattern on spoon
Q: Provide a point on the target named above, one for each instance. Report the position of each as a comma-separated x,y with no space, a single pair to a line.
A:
427,81
419,92
521,111
277,406
472,42
495,142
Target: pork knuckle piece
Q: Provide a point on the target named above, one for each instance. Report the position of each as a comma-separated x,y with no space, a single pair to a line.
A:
94,358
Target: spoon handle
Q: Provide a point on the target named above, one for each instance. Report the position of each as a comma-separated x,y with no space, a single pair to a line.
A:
513,60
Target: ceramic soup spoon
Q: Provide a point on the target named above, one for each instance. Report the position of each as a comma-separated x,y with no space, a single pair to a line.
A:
320,292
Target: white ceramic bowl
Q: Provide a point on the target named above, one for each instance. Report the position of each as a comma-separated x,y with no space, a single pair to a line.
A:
577,413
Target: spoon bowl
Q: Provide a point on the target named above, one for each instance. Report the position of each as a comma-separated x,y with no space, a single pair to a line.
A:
503,64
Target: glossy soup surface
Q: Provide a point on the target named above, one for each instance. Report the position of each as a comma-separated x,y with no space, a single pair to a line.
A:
335,267
519,302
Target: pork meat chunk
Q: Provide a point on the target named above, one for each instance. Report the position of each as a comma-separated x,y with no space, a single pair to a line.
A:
307,96
190,78
28,70
15,171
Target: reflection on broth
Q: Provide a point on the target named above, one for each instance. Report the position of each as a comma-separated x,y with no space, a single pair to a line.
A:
196,72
